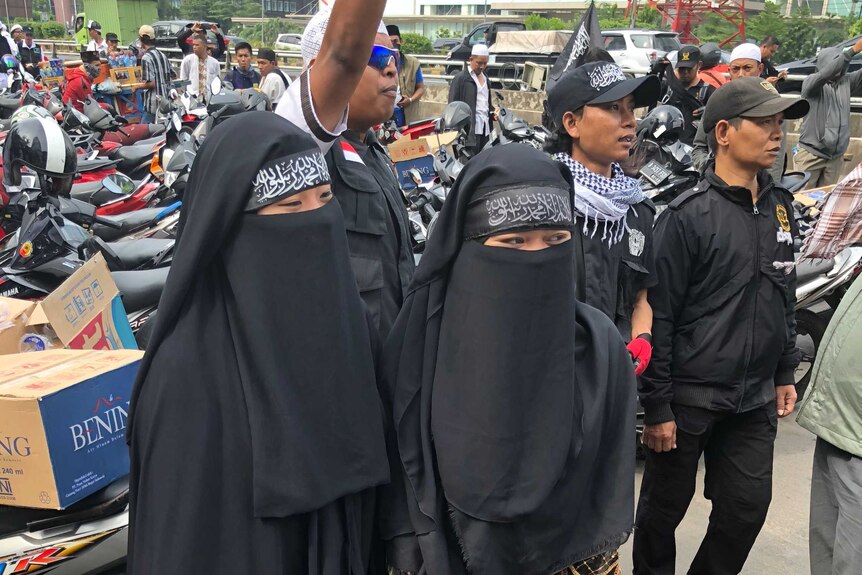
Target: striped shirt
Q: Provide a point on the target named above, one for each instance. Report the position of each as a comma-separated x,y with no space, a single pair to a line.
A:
155,67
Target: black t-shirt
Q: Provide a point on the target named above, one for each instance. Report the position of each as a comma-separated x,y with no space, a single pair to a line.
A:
614,275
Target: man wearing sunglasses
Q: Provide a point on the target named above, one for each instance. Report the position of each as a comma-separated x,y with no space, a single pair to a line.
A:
360,169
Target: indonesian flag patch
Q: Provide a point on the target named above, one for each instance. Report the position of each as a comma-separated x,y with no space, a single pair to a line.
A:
350,153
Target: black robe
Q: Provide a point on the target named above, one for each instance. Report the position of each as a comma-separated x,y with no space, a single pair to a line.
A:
512,475
256,429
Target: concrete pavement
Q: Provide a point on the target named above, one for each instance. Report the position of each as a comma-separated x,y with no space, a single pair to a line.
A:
782,547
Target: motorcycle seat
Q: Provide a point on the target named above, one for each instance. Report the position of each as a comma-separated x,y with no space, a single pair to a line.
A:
106,501
156,129
83,190
809,269
133,155
10,103
141,288
129,221
95,164
134,253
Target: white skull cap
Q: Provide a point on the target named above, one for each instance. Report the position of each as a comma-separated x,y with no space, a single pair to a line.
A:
312,36
747,50
480,50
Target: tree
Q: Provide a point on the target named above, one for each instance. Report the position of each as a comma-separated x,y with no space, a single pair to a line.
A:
415,43
768,22
800,40
446,33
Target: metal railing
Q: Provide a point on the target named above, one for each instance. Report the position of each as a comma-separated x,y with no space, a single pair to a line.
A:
510,74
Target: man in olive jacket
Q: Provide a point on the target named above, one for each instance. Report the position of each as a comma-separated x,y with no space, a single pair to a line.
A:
832,411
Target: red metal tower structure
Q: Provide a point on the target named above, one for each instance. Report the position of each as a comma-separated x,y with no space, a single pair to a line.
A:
685,15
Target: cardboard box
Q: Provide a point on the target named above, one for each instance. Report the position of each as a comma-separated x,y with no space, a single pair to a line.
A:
86,311
62,424
418,154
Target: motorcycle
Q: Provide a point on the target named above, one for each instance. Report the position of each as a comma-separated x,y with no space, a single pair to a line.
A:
89,537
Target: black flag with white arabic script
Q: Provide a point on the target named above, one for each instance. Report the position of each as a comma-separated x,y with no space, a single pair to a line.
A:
586,35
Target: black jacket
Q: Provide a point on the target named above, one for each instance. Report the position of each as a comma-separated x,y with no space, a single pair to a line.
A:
30,57
463,89
724,329
378,230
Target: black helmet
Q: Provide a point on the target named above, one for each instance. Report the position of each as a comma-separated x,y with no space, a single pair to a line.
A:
710,55
664,124
46,151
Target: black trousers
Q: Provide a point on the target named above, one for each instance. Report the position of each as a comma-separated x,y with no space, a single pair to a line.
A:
737,450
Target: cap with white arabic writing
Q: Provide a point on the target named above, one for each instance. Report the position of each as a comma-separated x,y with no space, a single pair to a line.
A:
598,83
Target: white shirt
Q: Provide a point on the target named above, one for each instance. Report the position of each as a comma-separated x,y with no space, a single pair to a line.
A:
482,99
273,86
296,105
189,71
102,48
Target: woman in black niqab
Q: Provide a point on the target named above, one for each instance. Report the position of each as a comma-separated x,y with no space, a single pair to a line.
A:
513,405
256,428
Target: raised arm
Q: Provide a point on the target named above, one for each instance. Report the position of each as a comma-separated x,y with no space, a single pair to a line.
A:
343,57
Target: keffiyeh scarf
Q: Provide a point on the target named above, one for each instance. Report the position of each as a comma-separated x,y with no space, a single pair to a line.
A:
603,202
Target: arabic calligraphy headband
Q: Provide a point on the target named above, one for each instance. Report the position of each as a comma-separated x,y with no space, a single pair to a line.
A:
518,208
286,176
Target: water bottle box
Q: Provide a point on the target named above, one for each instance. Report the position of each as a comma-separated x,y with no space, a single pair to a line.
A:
62,424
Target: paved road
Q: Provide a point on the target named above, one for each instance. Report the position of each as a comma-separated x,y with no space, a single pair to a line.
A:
782,548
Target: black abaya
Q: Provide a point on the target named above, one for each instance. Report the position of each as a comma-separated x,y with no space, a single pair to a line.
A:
256,430
513,404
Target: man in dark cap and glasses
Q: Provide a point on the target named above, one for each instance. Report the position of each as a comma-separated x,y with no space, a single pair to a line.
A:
724,337
30,53
411,84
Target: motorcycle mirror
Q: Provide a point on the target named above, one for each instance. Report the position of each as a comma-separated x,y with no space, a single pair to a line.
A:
216,86
119,184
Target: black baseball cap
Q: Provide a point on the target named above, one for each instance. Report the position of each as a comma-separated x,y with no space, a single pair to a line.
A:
750,98
28,31
111,36
93,25
598,83
688,56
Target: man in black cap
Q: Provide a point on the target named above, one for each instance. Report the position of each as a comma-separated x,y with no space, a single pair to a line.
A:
411,83
30,53
686,91
113,42
724,337
592,107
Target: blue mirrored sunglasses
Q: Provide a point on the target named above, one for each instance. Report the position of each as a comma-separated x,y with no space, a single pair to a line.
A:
381,56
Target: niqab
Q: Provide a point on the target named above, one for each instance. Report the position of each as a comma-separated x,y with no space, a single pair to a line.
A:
262,316
513,404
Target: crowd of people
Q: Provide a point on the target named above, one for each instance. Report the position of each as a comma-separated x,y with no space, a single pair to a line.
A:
311,401
825,133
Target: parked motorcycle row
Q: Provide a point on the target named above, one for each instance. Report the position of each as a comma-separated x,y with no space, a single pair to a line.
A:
123,203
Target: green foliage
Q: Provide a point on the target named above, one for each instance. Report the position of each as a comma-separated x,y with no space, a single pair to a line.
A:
415,43
446,33
536,22
770,21
43,29
271,29
800,40
855,29
222,10
714,28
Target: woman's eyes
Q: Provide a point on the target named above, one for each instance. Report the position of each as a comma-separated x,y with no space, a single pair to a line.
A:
556,238
326,195
293,204
513,241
